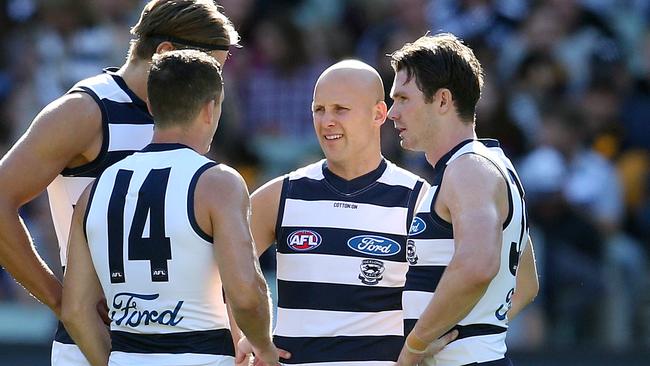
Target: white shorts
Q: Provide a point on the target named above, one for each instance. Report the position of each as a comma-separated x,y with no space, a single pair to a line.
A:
70,355
67,355
160,359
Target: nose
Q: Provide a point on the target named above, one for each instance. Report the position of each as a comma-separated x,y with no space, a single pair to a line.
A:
325,119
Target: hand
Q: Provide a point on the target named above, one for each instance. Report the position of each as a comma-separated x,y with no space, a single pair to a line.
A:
407,358
243,351
246,359
267,357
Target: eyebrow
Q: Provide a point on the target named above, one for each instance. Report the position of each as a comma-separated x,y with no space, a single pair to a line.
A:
335,105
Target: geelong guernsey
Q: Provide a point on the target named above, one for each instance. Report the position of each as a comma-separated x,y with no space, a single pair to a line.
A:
341,265
155,265
482,332
127,127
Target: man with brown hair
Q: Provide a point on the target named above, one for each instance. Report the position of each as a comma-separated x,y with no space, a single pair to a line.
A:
472,266
97,123
188,237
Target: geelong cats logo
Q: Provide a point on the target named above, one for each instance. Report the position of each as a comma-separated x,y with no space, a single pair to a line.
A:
372,271
411,255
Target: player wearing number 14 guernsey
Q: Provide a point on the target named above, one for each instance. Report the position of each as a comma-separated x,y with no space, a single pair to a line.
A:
471,260
163,235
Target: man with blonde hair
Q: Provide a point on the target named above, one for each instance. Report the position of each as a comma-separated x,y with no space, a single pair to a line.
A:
99,121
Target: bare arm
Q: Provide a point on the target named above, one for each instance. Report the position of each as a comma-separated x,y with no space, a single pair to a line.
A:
265,203
527,284
222,197
81,293
473,197
58,137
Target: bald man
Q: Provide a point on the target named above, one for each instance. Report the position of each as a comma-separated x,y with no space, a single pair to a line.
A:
340,226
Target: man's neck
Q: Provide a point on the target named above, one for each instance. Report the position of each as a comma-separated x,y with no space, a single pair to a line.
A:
351,170
177,135
135,74
447,141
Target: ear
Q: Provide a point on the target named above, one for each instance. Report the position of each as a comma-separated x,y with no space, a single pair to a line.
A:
444,100
148,106
164,47
207,112
380,113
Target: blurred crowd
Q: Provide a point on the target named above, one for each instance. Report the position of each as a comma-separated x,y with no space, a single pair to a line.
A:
567,93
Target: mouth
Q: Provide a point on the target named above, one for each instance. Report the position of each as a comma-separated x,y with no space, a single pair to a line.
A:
332,137
400,130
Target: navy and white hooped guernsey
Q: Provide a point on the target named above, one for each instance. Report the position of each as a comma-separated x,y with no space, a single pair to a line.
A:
127,127
341,265
482,332
155,264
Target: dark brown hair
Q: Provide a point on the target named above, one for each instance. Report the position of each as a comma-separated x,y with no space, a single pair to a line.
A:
443,61
180,83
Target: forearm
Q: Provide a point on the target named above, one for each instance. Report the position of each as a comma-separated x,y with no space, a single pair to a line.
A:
254,319
234,328
242,356
91,335
19,257
454,298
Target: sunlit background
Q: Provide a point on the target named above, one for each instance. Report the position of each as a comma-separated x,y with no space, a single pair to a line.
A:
567,93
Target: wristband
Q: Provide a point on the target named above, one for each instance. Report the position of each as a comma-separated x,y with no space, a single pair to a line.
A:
417,346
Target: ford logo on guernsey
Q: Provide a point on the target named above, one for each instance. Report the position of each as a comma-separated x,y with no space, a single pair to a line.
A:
130,309
417,226
374,245
304,240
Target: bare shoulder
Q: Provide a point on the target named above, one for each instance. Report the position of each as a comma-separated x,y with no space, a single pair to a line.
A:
63,134
222,181
66,127
269,190
265,204
72,108
473,171
474,183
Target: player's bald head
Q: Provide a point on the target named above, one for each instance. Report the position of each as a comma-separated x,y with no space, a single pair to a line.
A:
356,75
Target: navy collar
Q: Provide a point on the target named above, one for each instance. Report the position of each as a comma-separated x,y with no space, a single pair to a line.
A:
354,185
164,146
490,142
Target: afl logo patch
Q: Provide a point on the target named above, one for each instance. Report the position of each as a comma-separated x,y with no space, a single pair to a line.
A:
417,226
304,240
374,245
